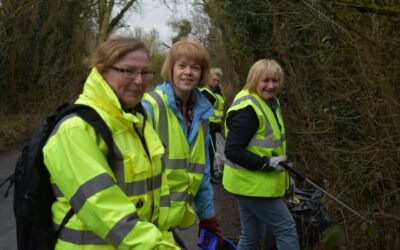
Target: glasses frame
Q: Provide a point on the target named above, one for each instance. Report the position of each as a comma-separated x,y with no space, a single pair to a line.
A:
131,74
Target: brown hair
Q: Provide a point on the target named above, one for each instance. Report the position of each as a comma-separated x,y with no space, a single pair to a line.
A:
113,49
261,70
189,49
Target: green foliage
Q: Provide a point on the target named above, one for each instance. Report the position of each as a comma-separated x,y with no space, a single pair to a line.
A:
183,27
370,229
44,47
334,237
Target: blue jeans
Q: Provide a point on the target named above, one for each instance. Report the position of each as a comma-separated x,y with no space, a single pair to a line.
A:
258,213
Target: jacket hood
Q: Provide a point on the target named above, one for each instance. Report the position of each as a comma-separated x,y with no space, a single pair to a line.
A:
97,92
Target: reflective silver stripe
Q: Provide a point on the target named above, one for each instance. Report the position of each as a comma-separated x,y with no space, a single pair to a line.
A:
181,196
176,163
117,166
90,188
163,121
183,164
122,228
143,186
131,189
163,128
196,168
232,165
164,201
134,188
79,237
55,129
268,142
205,126
56,190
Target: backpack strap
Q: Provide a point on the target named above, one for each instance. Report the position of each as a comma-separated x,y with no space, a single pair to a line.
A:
66,218
94,119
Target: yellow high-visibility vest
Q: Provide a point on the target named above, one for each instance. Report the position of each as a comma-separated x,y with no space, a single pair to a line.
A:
268,140
184,166
218,106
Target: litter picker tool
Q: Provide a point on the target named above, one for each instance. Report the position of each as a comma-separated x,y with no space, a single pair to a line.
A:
215,158
301,177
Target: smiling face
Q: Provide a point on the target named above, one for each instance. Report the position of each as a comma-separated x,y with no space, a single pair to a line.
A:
265,78
129,90
186,77
267,87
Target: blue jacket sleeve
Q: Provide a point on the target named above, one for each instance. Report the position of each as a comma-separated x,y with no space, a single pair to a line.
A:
205,195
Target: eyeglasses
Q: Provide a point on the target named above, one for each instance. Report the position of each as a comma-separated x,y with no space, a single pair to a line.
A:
132,74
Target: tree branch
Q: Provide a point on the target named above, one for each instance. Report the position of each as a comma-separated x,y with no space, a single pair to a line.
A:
115,21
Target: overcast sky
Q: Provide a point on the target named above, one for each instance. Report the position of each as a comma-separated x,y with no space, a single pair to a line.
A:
156,15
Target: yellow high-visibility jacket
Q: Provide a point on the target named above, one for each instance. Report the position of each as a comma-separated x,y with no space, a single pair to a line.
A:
115,204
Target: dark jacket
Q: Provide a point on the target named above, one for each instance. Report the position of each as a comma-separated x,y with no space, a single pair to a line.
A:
243,125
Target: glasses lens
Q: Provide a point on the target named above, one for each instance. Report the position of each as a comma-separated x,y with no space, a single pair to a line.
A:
129,74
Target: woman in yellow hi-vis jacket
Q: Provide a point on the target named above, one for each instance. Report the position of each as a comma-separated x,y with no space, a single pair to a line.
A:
116,205
255,146
180,116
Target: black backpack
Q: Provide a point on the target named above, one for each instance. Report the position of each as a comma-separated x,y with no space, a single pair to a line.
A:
33,195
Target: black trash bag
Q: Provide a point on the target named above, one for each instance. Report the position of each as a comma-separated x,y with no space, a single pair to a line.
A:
310,215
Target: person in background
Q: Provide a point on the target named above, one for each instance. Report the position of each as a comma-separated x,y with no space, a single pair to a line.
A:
180,116
254,148
115,204
213,93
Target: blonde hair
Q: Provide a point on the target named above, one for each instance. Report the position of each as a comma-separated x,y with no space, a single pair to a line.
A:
191,50
216,71
261,70
113,49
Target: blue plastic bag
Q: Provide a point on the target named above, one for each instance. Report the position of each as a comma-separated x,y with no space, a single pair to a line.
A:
208,241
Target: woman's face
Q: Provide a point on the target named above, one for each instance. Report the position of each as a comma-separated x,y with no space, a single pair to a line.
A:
267,87
129,77
186,76
214,80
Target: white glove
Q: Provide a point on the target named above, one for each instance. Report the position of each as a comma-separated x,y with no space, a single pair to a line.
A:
274,162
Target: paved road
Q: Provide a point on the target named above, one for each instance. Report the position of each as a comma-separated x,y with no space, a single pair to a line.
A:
7,225
7,222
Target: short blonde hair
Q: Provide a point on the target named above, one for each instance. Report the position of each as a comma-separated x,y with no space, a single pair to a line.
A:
216,71
113,49
191,50
261,70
